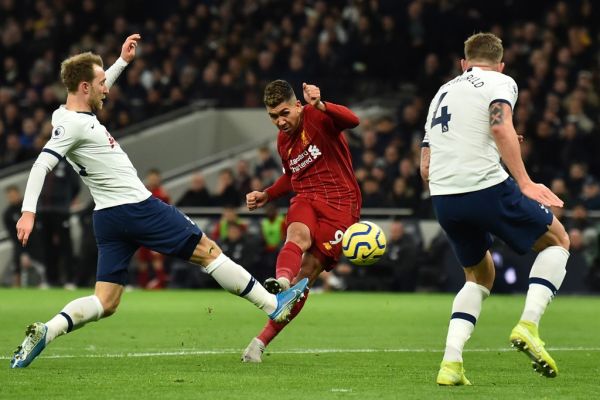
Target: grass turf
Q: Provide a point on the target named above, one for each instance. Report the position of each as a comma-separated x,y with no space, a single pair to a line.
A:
181,345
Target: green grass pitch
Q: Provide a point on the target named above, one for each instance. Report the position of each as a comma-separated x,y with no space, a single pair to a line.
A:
184,345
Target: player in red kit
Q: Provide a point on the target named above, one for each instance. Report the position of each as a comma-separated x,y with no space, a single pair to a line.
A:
318,169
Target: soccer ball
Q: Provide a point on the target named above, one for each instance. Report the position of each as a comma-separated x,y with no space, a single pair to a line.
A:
363,243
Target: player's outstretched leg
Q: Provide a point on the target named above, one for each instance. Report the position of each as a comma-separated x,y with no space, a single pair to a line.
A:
256,347
545,278
38,335
311,268
235,279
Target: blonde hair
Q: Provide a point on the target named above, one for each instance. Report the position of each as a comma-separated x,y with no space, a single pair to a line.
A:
484,47
79,68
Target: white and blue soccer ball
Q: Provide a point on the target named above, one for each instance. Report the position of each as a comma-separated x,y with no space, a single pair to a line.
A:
363,243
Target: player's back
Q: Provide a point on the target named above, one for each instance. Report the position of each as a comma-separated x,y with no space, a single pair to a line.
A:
464,156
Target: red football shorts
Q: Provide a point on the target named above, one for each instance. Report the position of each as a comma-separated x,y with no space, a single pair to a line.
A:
326,224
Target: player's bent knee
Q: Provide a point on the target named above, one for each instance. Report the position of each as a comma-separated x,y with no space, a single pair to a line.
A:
564,241
206,251
110,307
482,273
299,234
301,240
555,236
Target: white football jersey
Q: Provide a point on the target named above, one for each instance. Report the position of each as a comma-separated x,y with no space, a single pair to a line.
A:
464,156
97,157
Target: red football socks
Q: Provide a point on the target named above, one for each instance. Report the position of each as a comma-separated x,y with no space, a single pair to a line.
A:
289,261
273,328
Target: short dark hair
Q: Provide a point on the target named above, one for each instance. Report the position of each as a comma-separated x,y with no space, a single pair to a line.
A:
277,92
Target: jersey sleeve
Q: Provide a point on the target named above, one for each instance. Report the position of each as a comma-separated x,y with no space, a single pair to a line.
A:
65,136
506,91
281,187
425,142
114,71
334,119
341,116
43,164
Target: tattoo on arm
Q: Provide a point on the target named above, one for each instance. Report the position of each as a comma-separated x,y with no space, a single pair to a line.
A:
496,114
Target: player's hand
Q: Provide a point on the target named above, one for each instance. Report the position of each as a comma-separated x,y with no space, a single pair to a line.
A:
256,200
312,95
128,49
541,194
25,226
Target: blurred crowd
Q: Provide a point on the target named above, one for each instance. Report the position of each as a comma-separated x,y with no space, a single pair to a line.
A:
411,263
360,52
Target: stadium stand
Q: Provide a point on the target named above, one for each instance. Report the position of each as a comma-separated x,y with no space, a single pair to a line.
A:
392,55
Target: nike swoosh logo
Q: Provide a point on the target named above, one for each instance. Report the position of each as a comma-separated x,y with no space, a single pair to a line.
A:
365,256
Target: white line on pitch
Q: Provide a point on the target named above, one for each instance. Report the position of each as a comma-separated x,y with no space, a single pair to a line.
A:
296,351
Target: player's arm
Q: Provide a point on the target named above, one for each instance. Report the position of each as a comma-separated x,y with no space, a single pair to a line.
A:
281,187
127,56
342,117
43,164
425,158
507,140
63,138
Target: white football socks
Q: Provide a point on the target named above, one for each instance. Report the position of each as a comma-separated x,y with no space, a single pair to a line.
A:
75,314
546,276
465,311
235,279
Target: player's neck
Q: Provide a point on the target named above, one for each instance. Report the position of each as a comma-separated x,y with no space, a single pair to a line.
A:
483,66
76,103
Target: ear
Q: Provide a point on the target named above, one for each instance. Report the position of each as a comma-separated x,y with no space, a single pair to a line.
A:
463,64
85,87
501,67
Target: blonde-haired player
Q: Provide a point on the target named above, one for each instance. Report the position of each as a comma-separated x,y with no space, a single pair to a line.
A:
468,129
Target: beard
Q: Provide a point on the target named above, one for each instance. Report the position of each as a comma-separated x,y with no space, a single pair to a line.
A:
96,105
96,101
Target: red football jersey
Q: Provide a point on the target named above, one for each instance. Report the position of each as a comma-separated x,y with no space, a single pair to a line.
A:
317,161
